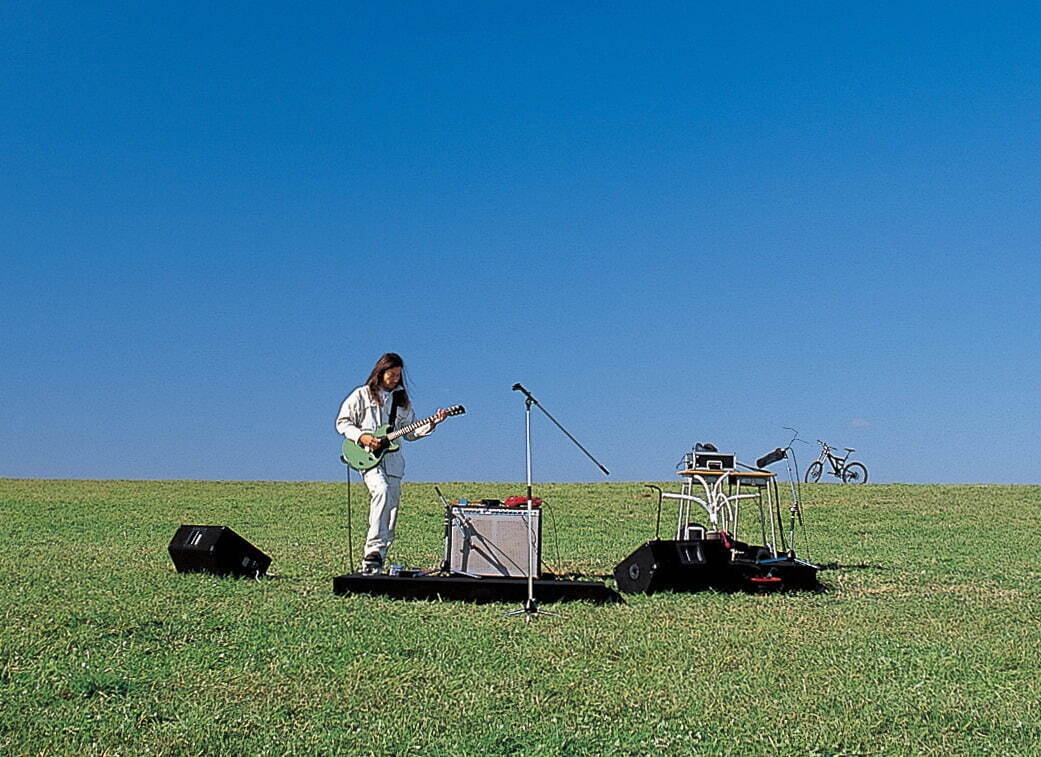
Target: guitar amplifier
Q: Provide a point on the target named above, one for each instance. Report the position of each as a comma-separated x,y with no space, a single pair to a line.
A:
493,541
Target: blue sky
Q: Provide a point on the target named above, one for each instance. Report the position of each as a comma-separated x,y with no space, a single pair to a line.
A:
670,222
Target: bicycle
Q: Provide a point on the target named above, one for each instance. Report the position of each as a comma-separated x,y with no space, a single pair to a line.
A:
849,471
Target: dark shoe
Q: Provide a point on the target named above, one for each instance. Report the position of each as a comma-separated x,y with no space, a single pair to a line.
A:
372,564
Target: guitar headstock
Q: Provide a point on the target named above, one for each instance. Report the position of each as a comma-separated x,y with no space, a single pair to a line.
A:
455,410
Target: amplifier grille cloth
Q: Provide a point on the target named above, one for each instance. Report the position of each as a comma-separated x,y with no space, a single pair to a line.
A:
494,542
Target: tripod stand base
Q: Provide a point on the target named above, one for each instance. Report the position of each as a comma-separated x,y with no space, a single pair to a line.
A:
530,610
477,590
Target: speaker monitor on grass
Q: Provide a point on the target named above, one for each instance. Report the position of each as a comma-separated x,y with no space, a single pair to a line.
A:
663,566
216,549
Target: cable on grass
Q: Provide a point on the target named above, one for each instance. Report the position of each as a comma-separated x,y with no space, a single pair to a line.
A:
350,533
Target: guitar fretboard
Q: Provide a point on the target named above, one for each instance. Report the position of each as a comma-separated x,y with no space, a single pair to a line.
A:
455,410
409,428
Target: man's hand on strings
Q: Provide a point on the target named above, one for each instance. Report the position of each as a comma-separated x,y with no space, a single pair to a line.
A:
369,442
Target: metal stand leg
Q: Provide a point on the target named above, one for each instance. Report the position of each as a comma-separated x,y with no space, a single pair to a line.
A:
531,607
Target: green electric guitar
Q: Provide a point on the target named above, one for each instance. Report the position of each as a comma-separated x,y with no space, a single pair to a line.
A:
361,459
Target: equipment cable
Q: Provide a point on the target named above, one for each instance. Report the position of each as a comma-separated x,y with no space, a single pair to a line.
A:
796,485
552,531
350,533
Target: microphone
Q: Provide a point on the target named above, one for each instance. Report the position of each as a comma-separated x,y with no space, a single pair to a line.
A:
518,388
770,458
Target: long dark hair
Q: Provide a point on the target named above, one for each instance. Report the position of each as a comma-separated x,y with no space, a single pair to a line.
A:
387,361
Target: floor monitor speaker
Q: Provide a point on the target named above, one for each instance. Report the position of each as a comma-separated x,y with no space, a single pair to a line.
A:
662,566
216,549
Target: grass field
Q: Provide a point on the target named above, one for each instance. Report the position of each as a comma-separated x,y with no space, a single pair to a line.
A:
925,640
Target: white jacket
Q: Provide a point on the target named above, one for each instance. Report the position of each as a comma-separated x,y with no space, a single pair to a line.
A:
360,415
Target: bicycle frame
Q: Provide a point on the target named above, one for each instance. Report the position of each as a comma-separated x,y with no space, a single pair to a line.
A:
837,463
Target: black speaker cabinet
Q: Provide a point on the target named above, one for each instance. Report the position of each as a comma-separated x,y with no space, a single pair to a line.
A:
494,541
216,549
714,460
667,566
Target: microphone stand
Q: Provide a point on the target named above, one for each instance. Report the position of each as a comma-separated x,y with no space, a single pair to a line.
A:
531,607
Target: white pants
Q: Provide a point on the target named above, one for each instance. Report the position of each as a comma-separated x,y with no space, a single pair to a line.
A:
384,498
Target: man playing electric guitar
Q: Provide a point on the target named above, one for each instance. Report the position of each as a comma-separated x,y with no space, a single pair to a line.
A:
367,409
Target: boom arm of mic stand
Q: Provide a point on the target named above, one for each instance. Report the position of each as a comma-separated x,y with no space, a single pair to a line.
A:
533,401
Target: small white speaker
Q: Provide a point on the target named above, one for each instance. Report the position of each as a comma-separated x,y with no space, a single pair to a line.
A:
494,541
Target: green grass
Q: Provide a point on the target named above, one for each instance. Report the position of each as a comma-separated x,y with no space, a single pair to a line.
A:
925,642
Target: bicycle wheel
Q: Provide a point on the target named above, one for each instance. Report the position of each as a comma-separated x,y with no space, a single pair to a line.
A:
813,473
854,473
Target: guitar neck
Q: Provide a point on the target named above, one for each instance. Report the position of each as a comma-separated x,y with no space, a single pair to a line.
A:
409,428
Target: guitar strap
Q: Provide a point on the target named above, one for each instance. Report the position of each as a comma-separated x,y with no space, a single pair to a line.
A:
393,410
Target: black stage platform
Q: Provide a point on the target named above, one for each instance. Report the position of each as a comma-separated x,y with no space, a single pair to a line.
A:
478,590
